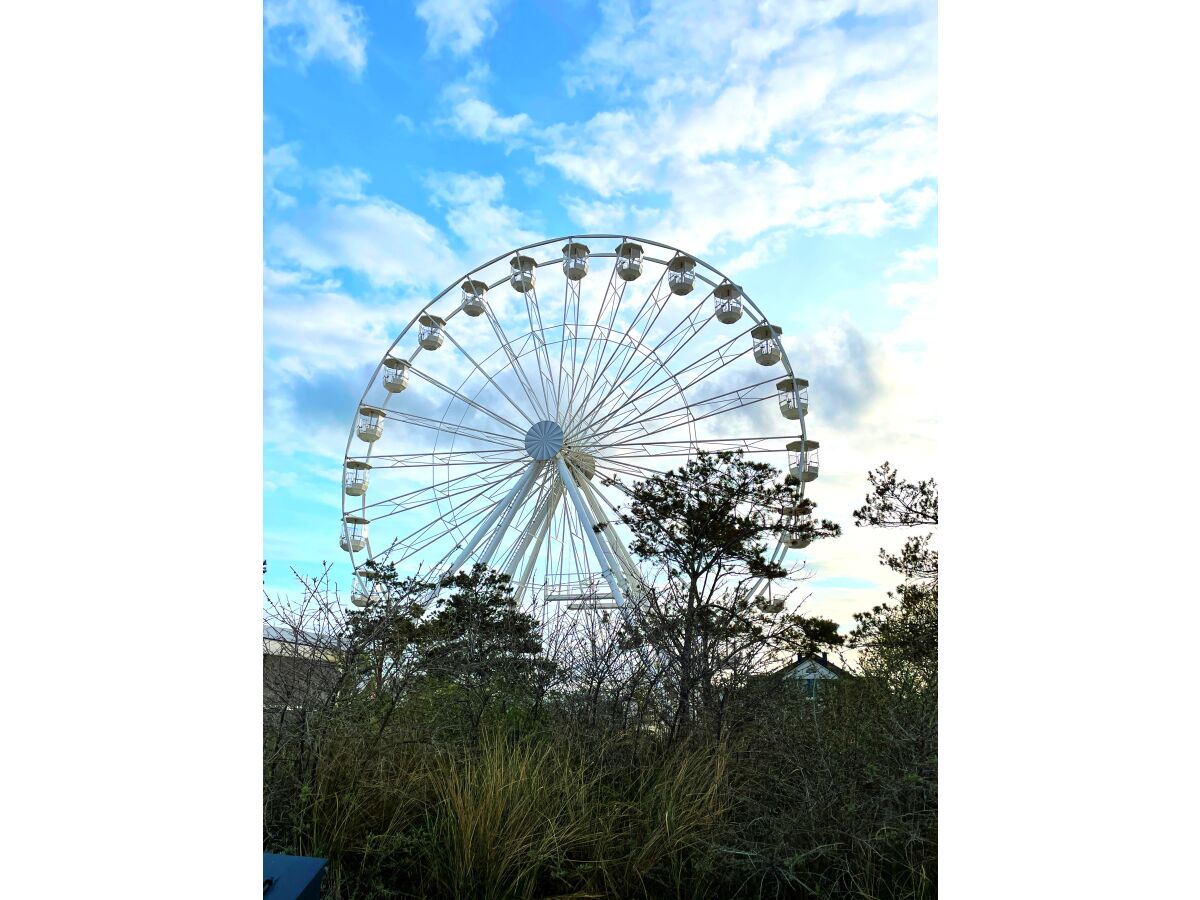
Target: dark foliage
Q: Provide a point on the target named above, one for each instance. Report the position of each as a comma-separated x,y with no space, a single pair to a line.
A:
481,648
718,619
447,747
901,637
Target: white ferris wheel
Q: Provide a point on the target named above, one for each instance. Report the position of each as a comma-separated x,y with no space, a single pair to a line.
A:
508,420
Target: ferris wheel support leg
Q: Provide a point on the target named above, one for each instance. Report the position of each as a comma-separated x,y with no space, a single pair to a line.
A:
537,525
754,588
537,548
617,551
510,514
495,514
776,557
598,547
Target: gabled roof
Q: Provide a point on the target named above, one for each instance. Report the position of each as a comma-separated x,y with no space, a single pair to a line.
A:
815,660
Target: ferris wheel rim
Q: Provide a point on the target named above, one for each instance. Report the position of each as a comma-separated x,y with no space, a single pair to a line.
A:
700,266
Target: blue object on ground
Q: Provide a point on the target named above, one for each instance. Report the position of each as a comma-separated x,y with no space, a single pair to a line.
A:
292,877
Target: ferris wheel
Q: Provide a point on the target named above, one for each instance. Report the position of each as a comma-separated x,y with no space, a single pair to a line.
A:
509,419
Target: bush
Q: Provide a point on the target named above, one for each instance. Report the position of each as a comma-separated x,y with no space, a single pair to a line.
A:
832,797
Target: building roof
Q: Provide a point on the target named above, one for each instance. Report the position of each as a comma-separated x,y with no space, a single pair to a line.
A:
822,660
291,635
294,642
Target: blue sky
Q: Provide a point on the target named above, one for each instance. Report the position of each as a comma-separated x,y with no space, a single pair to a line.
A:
791,144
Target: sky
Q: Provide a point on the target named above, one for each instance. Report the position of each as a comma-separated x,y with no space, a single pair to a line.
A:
1068,241
792,145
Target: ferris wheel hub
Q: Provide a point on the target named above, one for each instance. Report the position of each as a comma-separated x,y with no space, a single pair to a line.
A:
544,440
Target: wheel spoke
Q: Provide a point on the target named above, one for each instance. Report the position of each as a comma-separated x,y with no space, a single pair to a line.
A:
519,372
517,430
614,291
730,400
711,363
691,421
407,502
423,532
690,319
541,356
438,458
492,381
642,449
488,437
656,302
708,364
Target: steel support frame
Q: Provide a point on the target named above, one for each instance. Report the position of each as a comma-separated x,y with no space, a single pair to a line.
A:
519,488
603,554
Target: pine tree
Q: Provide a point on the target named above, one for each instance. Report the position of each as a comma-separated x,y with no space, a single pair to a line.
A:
708,525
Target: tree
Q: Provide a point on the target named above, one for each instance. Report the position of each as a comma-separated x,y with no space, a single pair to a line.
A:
706,525
379,642
482,646
900,639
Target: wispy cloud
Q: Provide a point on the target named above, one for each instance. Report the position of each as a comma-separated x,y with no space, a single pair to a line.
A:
337,183
477,119
321,344
457,25
281,169
387,243
774,117
476,213
914,259
348,228
305,30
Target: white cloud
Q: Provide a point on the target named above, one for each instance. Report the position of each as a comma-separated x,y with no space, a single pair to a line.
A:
655,48
462,189
457,25
320,346
311,332
770,119
342,184
280,167
915,259
347,228
308,29
476,212
908,294
761,251
387,243
614,217
478,119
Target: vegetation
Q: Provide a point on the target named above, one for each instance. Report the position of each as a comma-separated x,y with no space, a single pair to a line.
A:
900,638
715,620
452,748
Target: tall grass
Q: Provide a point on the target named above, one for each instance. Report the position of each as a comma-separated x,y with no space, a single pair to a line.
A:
506,819
834,798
